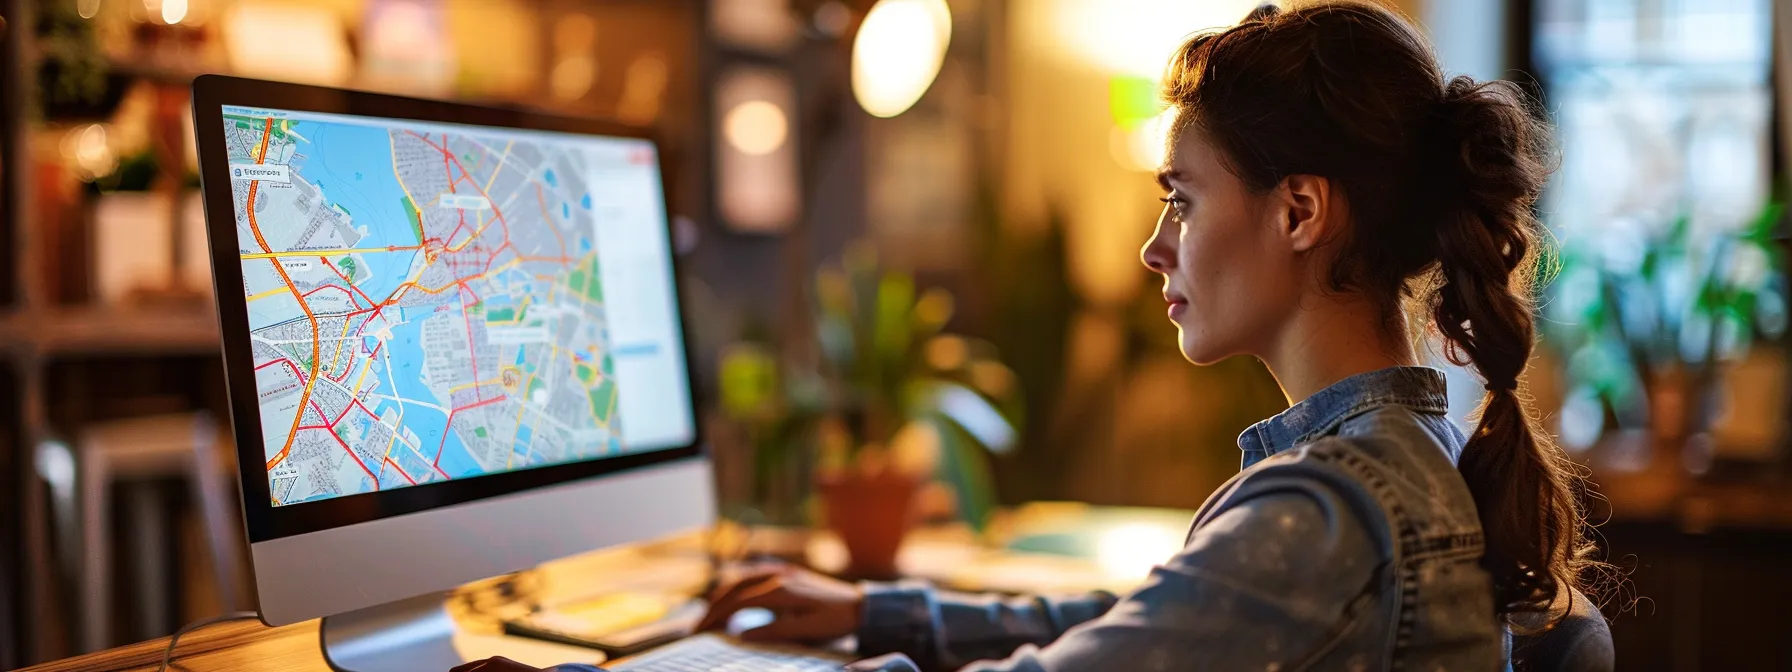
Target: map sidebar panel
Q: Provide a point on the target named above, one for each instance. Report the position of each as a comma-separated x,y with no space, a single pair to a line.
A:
427,302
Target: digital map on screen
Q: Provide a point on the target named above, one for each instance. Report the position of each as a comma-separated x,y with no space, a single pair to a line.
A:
424,301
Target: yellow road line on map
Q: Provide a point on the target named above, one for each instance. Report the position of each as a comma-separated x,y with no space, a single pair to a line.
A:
495,171
613,396
478,383
481,229
323,253
337,356
366,366
521,405
271,292
396,425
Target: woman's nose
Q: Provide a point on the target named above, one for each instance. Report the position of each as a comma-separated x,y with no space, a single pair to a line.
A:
1156,254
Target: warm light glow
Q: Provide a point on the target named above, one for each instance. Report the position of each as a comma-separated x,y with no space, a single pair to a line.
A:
294,43
1137,37
572,77
576,69
1131,550
1144,146
756,158
173,11
755,127
86,8
642,87
898,53
89,148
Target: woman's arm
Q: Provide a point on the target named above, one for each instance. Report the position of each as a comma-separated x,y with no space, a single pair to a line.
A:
1273,580
1280,567
942,630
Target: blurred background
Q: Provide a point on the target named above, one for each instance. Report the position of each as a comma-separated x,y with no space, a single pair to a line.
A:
909,233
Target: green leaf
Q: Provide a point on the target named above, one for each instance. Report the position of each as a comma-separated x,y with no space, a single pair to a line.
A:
894,330
964,468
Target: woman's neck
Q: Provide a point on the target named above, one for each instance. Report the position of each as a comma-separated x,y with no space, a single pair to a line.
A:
1335,340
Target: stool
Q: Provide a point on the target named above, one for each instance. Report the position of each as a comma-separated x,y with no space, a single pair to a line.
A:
180,445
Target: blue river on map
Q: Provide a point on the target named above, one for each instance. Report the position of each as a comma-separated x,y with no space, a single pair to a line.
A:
352,165
406,353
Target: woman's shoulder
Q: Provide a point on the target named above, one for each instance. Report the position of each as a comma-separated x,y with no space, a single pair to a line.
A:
1324,476
1387,469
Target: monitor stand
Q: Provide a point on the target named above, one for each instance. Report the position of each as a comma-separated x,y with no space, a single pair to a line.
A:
418,635
413,634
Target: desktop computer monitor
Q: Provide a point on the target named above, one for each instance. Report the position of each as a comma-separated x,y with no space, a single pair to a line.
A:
453,346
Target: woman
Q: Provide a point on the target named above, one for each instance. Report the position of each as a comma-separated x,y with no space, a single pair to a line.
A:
1327,191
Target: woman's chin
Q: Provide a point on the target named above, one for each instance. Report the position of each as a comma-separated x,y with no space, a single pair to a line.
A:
1201,354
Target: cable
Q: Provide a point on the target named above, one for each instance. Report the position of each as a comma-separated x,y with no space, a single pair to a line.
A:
168,654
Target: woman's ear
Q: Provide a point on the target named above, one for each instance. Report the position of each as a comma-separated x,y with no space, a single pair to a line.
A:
1308,211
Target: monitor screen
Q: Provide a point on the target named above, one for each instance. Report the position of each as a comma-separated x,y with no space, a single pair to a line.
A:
430,302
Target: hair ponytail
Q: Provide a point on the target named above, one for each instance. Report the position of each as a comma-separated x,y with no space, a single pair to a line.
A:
1441,178
1492,149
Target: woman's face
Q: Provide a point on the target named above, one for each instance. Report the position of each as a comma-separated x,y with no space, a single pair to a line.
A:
1230,278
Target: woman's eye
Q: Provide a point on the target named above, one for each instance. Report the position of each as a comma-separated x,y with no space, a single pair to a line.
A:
1176,204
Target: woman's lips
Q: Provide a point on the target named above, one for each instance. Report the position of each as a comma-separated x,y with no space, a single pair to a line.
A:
1177,306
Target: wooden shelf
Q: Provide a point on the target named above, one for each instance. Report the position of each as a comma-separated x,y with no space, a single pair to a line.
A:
187,329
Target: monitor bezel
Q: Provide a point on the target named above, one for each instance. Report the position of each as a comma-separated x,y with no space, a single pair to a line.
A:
263,520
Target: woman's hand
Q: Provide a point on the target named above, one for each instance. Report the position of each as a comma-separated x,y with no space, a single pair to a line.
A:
495,664
806,607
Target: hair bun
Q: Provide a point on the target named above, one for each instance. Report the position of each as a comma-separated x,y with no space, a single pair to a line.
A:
1487,139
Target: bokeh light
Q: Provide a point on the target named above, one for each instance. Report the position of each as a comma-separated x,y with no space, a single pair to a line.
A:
898,53
756,127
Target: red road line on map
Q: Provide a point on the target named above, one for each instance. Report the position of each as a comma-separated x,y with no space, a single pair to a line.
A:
477,404
261,155
399,469
282,360
356,401
449,241
495,211
314,290
446,428
494,258
476,297
353,456
351,283
339,417
295,374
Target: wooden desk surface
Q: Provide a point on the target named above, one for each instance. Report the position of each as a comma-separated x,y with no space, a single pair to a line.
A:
948,557
238,645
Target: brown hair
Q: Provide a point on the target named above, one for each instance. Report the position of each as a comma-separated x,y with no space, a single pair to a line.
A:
1440,176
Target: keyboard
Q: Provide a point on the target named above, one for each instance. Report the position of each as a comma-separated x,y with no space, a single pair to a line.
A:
710,653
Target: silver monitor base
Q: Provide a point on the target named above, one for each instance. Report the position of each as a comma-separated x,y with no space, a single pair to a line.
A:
418,635
404,636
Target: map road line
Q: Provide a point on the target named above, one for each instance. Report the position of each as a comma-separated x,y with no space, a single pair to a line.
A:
261,156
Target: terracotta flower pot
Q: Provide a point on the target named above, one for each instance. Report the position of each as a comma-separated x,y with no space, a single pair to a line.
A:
871,512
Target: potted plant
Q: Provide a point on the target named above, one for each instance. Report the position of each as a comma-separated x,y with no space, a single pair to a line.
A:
1645,325
892,405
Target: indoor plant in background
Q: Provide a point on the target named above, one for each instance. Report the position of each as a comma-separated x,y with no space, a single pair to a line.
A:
892,404
1646,323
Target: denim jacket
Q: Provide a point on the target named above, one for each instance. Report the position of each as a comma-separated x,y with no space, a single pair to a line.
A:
1347,541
